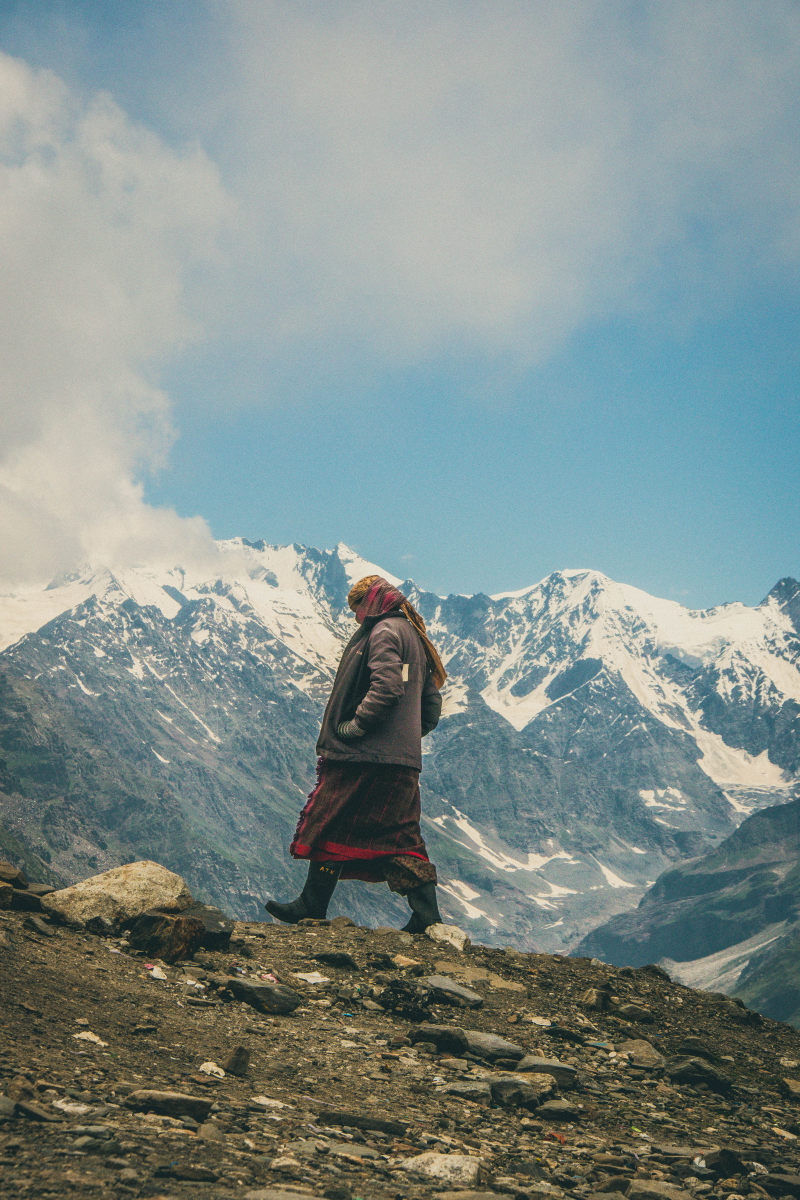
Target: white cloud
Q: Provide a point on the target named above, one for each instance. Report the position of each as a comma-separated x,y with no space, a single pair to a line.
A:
99,223
419,179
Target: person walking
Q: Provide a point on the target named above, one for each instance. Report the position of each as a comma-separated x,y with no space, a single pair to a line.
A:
361,820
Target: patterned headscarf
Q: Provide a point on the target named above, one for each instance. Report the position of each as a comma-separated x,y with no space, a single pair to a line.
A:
374,596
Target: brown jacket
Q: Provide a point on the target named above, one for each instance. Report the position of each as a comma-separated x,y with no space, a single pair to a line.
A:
384,682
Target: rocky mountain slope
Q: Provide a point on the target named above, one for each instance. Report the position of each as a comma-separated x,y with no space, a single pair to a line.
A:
401,1067
729,920
593,735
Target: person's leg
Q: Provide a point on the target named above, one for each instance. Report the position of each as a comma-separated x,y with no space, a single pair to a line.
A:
415,878
313,900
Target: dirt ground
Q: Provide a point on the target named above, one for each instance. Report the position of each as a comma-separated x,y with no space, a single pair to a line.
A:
355,1094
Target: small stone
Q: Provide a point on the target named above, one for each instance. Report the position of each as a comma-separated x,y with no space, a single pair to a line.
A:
449,1168
635,1013
86,1035
192,1172
337,958
171,1104
24,901
355,1120
522,1091
723,1160
477,1090
596,999
778,1184
402,961
450,992
12,875
7,1107
265,997
283,1193
168,936
238,1061
6,893
211,1068
38,925
642,1054
697,1070
450,935
560,1110
655,1189
491,1046
564,1075
27,1108
790,1088
695,1047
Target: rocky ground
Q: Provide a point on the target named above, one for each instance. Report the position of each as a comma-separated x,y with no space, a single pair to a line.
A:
124,1076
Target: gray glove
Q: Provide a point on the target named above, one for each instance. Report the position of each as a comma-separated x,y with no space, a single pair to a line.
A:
347,730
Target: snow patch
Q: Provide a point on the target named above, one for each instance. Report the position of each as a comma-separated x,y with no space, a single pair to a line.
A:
721,971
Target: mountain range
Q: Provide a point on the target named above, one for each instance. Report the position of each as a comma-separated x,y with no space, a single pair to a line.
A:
592,737
728,921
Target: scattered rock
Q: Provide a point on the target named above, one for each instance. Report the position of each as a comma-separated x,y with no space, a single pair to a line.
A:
237,1062
449,1168
563,1073
35,923
265,997
358,1120
14,876
171,1104
560,1110
168,936
450,935
477,1090
447,990
655,1189
780,1185
491,1046
522,1091
790,1088
337,958
697,1071
635,1013
642,1054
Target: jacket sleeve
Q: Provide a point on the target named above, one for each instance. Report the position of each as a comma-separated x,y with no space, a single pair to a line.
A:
431,705
386,685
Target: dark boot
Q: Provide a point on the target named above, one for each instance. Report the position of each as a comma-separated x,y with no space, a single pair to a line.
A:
313,900
424,908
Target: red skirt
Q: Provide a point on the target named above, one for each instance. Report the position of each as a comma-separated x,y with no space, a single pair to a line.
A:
360,814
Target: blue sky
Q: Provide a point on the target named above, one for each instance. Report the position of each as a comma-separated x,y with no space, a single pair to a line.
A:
482,289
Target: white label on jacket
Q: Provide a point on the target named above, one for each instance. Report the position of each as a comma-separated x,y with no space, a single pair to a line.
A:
405,672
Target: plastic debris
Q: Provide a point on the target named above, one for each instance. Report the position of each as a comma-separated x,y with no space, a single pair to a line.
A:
312,976
557,1137
87,1036
268,977
211,1068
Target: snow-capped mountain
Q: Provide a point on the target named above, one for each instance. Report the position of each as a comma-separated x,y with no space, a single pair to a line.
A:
592,734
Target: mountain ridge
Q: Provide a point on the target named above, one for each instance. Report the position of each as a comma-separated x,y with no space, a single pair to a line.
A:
585,744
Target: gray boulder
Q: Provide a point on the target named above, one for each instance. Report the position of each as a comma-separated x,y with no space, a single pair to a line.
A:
119,895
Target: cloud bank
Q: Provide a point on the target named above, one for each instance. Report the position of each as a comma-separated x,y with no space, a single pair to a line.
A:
100,223
488,178
382,187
